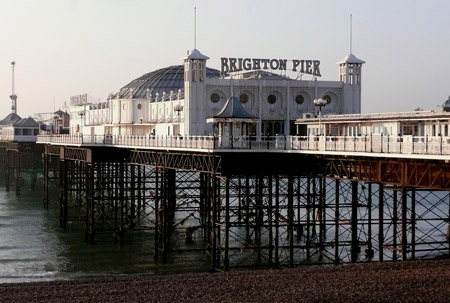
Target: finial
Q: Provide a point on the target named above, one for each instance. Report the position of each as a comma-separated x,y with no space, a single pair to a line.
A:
195,27
351,33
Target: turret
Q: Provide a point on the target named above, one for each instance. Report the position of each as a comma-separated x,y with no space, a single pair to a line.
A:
350,76
194,93
350,70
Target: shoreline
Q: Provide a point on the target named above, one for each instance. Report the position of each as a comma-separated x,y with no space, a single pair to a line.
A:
409,281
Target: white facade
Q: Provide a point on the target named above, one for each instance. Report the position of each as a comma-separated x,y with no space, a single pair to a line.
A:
416,123
275,100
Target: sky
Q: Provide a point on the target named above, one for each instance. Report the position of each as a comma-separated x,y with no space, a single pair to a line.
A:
64,48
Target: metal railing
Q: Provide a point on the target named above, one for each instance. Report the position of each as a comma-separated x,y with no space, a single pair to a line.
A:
375,143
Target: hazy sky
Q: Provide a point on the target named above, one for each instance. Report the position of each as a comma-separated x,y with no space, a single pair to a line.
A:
69,47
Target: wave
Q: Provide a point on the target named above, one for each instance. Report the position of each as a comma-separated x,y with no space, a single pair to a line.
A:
21,277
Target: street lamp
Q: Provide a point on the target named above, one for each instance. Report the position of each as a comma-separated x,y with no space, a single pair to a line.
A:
320,103
178,109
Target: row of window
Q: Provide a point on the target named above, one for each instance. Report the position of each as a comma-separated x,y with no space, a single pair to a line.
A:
272,99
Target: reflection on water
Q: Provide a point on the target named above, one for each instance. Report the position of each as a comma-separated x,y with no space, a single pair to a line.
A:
34,248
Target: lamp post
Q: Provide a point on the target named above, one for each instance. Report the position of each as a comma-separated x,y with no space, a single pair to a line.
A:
82,115
320,103
178,109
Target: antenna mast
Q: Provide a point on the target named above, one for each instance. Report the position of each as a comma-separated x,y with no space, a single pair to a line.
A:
351,26
195,27
13,93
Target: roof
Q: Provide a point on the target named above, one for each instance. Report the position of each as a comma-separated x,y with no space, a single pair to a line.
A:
162,80
446,105
377,117
29,122
233,109
351,59
196,55
10,119
60,113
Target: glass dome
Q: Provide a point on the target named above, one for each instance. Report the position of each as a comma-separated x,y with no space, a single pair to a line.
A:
159,81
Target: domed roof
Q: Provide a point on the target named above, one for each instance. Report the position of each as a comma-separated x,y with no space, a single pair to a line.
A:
162,80
351,59
446,105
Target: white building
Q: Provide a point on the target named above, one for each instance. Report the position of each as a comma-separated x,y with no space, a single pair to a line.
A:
16,129
179,99
414,123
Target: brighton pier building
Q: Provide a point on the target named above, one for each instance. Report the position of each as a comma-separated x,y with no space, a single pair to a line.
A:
190,99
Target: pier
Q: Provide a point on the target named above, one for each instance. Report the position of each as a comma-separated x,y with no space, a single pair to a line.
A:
259,201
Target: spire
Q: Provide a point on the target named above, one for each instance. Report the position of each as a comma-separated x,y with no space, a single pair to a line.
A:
195,27
13,95
351,33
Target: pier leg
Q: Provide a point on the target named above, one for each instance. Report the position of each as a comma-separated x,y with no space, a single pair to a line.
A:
291,219
46,172
226,260
354,222
336,222
321,215
8,169
380,222
369,252
215,214
394,224
63,205
404,237
308,218
270,217
18,169
413,223
247,208
90,204
259,213
157,214
277,220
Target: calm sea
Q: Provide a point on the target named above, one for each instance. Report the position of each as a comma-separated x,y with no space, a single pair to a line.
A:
34,248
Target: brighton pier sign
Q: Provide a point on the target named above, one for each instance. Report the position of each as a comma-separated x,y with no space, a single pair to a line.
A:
231,65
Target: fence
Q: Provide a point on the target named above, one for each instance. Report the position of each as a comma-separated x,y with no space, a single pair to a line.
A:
375,143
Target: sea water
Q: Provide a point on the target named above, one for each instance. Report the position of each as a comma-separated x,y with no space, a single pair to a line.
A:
34,248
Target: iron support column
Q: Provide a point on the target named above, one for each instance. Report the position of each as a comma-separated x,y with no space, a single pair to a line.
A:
380,222
18,173
291,219
354,222
226,260
63,204
404,224
277,219
336,222
413,223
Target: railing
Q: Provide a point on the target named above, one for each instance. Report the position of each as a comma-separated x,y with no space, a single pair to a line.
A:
376,143
187,142
18,138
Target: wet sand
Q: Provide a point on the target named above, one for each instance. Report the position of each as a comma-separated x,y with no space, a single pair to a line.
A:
412,281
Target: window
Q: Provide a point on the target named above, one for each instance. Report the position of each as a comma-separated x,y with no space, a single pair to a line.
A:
139,106
215,97
243,98
272,99
299,99
328,98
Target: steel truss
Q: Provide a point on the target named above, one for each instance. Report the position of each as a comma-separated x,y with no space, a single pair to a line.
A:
294,220
402,172
187,203
23,161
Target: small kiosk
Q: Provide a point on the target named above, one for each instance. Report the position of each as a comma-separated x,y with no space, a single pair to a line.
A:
233,124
